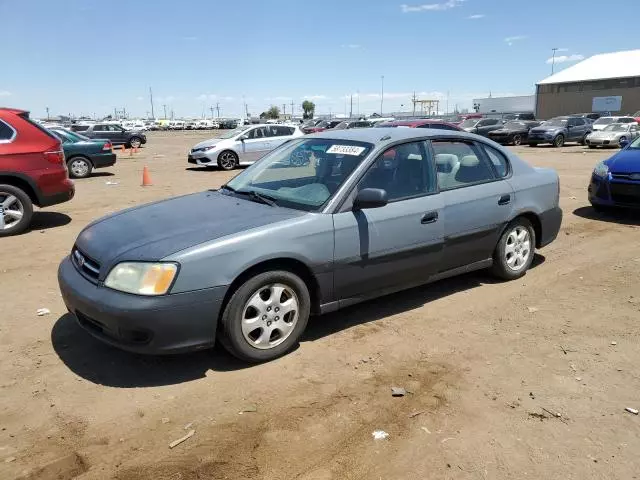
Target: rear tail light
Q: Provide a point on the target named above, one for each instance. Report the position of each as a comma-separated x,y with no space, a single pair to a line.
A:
55,156
107,147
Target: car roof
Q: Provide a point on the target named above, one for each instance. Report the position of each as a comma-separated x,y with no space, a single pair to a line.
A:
12,110
384,135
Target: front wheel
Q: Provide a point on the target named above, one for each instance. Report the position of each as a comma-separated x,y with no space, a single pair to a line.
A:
135,142
583,141
622,139
558,141
79,167
514,253
227,160
16,210
266,316
517,140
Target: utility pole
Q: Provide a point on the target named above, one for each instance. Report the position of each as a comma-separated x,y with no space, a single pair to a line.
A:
211,108
115,113
553,59
351,109
218,109
358,93
381,93
47,112
413,99
172,116
165,111
284,109
291,108
151,99
447,112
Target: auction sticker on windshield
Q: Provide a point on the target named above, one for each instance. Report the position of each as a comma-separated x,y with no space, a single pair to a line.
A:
346,150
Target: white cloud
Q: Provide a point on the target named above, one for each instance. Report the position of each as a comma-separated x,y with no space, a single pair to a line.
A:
315,97
353,46
5,93
477,16
139,98
515,38
431,6
566,58
562,49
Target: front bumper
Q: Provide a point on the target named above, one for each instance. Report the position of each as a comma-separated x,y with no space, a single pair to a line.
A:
101,160
202,158
600,141
611,193
550,222
149,325
544,138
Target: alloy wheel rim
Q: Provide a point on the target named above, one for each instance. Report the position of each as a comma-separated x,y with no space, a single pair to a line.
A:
517,140
622,139
12,210
135,143
79,168
270,316
227,160
518,248
559,141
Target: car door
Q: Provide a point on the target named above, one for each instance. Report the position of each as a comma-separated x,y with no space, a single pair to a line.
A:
400,244
487,125
100,131
118,134
577,128
280,135
252,145
477,199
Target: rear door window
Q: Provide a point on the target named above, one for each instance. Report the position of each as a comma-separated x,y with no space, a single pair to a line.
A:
460,164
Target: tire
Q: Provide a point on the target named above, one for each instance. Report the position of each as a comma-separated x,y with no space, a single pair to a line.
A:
517,140
533,144
583,141
592,146
79,167
135,142
227,160
558,141
246,340
600,208
513,248
17,203
621,140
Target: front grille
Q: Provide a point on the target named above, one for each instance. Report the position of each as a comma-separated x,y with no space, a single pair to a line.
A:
85,265
628,193
626,176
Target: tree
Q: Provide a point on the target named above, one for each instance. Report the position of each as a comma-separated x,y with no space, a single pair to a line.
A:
273,112
309,109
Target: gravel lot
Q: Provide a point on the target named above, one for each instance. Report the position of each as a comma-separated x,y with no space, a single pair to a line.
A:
527,379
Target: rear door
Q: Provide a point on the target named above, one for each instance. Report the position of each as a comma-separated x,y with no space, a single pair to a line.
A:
254,146
478,200
280,134
102,131
396,245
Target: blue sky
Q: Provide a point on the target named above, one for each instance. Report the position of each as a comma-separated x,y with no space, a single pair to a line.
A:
89,56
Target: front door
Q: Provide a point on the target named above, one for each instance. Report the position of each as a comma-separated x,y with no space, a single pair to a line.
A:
577,128
478,201
400,244
255,146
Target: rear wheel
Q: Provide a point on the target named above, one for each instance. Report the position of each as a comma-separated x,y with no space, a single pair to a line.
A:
583,141
135,142
266,316
227,160
517,140
558,141
622,139
79,167
16,210
592,146
514,253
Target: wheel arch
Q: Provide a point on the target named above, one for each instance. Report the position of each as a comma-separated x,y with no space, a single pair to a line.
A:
80,155
534,219
22,183
228,149
288,264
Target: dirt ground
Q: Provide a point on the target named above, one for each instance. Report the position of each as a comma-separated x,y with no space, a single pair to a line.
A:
526,379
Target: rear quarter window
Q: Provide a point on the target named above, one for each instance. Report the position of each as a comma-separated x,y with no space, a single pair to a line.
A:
7,133
499,161
25,117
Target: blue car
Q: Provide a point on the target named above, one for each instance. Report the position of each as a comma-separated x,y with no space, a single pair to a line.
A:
615,182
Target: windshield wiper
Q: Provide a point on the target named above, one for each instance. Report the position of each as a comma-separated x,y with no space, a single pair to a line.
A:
259,197
227,187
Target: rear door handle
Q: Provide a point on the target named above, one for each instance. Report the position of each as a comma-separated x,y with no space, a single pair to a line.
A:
430,217
504,200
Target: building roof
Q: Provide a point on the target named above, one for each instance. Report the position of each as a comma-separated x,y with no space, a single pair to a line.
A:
599,67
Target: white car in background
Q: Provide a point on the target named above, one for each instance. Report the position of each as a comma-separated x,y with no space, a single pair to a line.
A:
614,135
242,146
602,122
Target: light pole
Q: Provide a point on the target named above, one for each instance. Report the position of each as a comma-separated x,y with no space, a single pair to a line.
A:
553,59
381,93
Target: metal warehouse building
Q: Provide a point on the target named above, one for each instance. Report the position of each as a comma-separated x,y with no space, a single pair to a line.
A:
609,82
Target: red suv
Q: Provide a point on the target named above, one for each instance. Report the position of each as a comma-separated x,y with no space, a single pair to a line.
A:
32,170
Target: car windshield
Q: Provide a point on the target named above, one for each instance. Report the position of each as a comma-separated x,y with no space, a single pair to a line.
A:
615,128
71,136
233,133
514,125
341,126
635,144
603,121
469,122
302,174
556,122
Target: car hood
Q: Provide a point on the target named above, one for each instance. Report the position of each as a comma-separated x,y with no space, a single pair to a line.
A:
625,161
154,231
207,143
502,131
602,134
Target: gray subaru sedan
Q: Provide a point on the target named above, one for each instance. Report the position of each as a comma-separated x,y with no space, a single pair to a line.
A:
322,222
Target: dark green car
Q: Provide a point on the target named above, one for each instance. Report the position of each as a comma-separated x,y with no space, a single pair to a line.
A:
84,154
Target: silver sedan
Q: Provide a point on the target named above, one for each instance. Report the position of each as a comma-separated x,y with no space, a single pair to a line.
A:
613,135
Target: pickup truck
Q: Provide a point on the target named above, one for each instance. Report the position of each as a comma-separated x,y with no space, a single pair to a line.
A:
114,133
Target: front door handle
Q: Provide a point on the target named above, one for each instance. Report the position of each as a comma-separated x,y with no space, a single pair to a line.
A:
430,217
504,200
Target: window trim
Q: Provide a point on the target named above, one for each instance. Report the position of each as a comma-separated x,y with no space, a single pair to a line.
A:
483,154
495,171
13,136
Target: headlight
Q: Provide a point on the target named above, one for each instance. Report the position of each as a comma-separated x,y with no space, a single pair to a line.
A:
210,147
601,170
142,278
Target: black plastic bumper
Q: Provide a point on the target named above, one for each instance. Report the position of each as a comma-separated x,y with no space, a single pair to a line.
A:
550,222
150,325
103,160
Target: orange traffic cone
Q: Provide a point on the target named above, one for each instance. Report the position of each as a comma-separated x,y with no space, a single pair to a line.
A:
124,149
146,177
131,152
135,150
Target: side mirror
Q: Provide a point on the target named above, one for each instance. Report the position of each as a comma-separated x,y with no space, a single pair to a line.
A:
624,143
242,138
370,198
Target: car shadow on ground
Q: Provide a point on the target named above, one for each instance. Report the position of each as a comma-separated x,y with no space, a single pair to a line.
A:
620,216
47,220
212,168
400,302
102,174
104,365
